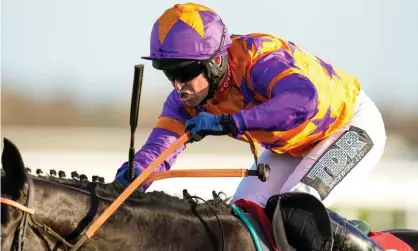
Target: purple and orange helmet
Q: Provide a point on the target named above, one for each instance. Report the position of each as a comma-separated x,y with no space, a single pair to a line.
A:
188,32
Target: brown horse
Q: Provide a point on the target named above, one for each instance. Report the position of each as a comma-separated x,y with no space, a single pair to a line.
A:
63,208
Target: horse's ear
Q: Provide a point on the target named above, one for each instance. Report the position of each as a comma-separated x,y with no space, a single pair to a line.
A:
14,168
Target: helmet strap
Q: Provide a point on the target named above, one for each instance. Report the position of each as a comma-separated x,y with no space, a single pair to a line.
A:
215,70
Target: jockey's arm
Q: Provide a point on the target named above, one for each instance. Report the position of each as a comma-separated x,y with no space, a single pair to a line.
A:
291,97
169,127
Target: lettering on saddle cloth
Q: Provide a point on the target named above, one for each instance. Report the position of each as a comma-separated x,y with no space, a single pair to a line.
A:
338,160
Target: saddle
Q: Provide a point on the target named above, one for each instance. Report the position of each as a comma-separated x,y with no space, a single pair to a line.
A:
299,221
290,221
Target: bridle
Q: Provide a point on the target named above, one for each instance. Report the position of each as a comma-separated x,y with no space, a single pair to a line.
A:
28,211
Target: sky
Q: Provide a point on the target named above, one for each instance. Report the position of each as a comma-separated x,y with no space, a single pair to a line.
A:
87,49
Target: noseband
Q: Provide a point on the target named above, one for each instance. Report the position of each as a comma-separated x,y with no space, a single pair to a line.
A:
18,243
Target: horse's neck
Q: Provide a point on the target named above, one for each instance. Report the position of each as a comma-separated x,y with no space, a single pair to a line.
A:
61,208
155,226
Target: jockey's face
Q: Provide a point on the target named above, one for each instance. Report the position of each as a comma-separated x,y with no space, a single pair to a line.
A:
194,91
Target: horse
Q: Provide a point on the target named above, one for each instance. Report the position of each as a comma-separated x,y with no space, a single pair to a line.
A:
146,221
59,210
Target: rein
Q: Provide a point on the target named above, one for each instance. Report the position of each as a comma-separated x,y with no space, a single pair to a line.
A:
186,137
17,205
27,220
29,210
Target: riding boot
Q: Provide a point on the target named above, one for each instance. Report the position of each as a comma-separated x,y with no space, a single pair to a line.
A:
349,238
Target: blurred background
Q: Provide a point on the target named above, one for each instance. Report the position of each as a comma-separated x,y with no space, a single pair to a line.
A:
67,71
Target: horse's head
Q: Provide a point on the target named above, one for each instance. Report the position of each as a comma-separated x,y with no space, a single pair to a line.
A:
14,189
62,210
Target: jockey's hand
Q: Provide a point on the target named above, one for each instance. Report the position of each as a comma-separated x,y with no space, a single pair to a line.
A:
208,124
122,177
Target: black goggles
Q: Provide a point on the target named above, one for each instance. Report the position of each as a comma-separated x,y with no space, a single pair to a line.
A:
185,73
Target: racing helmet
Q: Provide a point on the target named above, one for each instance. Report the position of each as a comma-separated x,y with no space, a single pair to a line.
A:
185,40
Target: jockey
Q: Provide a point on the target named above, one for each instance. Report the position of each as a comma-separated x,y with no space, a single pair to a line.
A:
320,131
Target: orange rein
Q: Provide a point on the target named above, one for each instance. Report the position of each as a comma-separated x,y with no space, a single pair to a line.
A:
17,205
134,184
140,179
197,173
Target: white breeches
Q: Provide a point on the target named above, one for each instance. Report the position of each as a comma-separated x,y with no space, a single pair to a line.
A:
324,172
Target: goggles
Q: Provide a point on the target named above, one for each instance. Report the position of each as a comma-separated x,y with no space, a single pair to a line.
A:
185,73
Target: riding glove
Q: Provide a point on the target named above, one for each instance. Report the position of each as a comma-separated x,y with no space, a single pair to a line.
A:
209,124
122,176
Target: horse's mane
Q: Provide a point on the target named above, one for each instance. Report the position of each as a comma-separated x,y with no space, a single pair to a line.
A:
110,191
